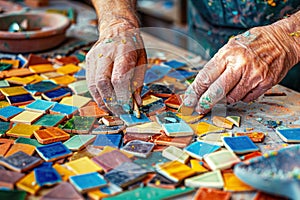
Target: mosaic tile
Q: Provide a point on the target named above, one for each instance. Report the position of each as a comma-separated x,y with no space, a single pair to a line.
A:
63,171
26,148
222,122
222,159
50,135
175,153
60,191
20,100
56,95
131,120
75,100
211,179
209,193
240,144
9,178
106,191
199,149
22,130
39,106
46,176
9,112
83,165
54,151
49,120
180,142
113,140
289,135
236,120
138,148
41,87
26,117
89,181
63,109
28,184
78,142
41,68
203,128
233,184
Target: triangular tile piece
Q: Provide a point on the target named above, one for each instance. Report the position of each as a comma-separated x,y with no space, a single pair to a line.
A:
234,184
222,122
175,153
223,159
209,179
197,166
60,191
236,120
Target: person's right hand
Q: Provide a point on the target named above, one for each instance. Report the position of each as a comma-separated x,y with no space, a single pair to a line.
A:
246,67
116,63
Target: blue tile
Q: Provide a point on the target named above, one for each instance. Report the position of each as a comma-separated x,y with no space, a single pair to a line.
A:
130,119
113,140
54,151
40,105
240,144
181,74
46,175
175,64
4,126
41,87
81,74
289,134
20,99
200,149
156,72
85,182
10,111
57,94
177,129
63,109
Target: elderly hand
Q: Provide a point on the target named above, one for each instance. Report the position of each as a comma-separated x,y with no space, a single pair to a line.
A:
116,63
246,67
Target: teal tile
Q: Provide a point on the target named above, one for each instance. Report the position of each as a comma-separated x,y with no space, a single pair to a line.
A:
49,120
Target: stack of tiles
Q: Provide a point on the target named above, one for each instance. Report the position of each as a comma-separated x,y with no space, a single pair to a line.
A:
56,141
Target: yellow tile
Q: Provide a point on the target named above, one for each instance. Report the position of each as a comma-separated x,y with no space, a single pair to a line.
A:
96,194
13,91
42,68
203,128
107,149
15,63
150,99
27,117
22,130
83,165
68,69
28,184
175,170
26,148
63,80
37,78
190,118
195,165
63,172
222,122
75,100
4,104
20,80
232,183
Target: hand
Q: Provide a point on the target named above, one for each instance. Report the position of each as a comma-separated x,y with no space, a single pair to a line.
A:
116,64
246,67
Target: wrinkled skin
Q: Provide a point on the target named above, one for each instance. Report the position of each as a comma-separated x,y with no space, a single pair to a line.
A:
243,69
116,65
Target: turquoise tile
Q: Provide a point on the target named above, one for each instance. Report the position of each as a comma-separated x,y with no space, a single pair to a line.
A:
200,149
10,111
240,144
89,181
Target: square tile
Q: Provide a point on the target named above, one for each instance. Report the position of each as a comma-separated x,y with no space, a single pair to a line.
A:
175,170
4,83
63,171
89,181
199,149
46,176
20,100
234,184
240,144
254,136
174,64
109,190
41,87
4,147
161,90
126,174
22,130
54,151
214,138
289,135
26,117
75,100
78,142
68,69
222,159
50,75
56,95
212,179
41,68
92,111
65,60
139,148
39,106
9,112
222,122
113,140
131,120
103,129
60,191
18,72
30,141
79,87
20,80
8,178
26,148
180,142
107,163
146,128
20,162
175,153
111,121
63,80
177,129
63,109
27,183
13,91
202,128
83,165
79,125
162,182
49,120
50,135
81,74
153,108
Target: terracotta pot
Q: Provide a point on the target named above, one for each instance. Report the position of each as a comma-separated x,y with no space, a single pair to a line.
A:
46,30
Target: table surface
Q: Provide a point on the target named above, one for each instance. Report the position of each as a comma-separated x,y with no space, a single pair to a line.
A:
278,108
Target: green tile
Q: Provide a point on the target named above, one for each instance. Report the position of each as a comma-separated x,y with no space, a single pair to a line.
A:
50,120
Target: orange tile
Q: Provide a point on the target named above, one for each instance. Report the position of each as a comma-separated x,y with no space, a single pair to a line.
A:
50,135
26,148
232,183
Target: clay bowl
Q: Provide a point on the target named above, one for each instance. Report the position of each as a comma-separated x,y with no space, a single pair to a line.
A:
46,30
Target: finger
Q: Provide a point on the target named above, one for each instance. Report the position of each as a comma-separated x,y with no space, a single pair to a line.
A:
211,71
122,74
90,77
138,78
218,90
258,91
